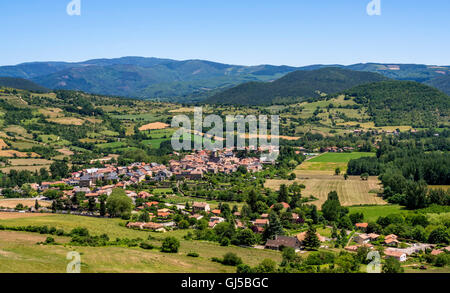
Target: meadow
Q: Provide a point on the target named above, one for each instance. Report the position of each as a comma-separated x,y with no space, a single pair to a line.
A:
371,213
20,253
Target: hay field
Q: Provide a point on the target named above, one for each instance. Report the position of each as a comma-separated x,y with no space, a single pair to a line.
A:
353,191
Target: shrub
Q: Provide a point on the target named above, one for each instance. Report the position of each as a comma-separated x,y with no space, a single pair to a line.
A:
170,245
193,254
225,241
145,245
50,240
231,259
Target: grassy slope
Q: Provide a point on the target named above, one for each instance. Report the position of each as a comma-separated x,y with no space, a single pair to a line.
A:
31,257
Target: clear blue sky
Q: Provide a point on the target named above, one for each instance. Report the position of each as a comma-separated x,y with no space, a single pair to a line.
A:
248,32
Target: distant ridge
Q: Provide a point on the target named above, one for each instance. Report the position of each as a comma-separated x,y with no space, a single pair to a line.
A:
295,85
22,84
189,80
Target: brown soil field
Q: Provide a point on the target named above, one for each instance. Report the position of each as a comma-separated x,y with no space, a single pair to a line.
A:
66,152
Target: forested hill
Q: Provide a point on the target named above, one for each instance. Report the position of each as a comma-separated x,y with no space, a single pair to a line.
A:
20,83
295,86
402,103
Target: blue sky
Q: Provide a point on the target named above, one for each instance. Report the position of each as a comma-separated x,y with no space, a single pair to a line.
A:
248,32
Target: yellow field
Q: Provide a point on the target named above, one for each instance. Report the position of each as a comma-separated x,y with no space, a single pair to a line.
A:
28,168
13,153
353,191
29,162
12,203
326,167
8,216
67,121
154,126
51,112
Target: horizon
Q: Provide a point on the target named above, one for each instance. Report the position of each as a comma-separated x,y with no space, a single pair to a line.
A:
232,64
293,33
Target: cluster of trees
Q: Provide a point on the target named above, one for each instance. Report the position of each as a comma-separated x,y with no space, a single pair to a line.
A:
418,227
58,170
405,170
402,103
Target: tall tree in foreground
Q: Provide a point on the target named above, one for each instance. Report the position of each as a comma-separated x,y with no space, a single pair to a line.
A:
311,241
118,203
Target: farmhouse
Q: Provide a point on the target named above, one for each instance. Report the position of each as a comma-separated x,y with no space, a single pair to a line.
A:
400,256
201,207
282,241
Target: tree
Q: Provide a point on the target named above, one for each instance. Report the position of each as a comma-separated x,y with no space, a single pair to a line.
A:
311,239
416,195
274,228
144,217
246,237
53,194
392,266
337,171
347,263
345,176
438,236
91,204
36,205
102,199
170,245
59,169
283,194
331,208
267,266
118,203
356,217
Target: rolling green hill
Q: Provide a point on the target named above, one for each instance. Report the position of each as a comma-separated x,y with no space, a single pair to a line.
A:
20,83
296,86
402,103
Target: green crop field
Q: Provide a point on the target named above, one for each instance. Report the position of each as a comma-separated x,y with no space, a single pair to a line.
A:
340,157
371,213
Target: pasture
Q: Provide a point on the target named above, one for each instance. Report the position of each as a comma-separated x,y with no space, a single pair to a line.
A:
29,257
371,213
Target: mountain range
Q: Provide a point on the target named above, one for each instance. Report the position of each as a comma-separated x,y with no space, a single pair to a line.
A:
189,80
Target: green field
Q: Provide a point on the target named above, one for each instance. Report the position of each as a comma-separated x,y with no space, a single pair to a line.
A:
340,157
371,213
111,145
155,143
